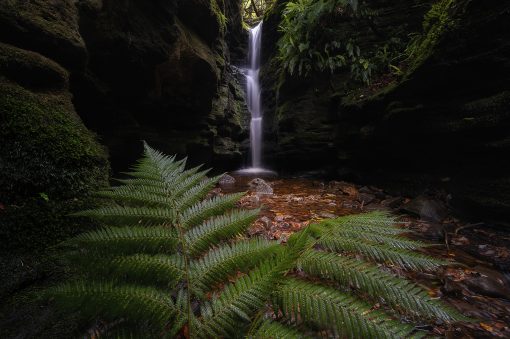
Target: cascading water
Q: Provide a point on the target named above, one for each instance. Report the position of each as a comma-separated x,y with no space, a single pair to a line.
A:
253,100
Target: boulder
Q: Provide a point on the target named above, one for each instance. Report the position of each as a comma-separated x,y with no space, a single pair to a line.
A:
260,186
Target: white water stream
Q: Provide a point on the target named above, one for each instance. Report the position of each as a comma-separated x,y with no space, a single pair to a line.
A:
253,98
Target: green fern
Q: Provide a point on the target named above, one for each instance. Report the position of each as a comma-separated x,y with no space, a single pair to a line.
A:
172,262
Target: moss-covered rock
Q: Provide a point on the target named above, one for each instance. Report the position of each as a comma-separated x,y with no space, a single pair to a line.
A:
47,27
49,163
31,69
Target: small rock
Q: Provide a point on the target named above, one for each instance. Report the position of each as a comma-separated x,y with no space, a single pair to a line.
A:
426,208
366,198
365,189
266,222
488,282
260,186
327,215
344,187
393,202
227,180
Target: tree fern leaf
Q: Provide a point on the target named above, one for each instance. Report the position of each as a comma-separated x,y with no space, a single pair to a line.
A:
125,301
214,230
403,295
209,208
137,194
390,240
382,253
131,216
147,183
301,301
161,270
128,240
240,300
196,193
227,260
274,330
187,180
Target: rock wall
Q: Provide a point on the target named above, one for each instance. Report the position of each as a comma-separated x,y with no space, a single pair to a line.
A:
445,124
128,70
164,76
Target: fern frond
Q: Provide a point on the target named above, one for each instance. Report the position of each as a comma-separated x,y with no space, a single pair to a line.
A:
227,260
196,193
373,222
146,195
346,316
274,330
382,253
209,208
114,302
403,295
391,240
240,300
214,230
188,180
148,183
131,216
161,270
128,240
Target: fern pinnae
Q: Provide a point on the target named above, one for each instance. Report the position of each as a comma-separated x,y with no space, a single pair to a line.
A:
141,195
130,216
209,208
240,299
383,253
223,227
405,296
196,193
270,329
127,240
395,241
329,308
161,270
220,263
118,301
188,181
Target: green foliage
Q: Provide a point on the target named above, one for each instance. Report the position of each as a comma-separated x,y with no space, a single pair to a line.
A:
173,261
254,10
310,42
219,13
437,22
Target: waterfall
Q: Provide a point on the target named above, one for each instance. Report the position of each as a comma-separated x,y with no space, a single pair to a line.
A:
253,99
253,96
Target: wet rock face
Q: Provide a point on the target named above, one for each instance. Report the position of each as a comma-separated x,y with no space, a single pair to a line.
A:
157,71
158,77
445,124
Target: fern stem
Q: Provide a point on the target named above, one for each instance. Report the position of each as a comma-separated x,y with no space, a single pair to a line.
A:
187,275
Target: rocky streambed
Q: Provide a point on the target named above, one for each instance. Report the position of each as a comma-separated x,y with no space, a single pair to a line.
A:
477,282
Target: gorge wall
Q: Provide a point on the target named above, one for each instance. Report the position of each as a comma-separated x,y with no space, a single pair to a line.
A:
83,82
444,123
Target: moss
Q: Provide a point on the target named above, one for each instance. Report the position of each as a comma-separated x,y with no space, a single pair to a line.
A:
437,22
31,69
49,162
48,27
219,14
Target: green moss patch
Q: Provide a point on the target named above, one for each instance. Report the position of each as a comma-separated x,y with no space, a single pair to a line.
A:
49,162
